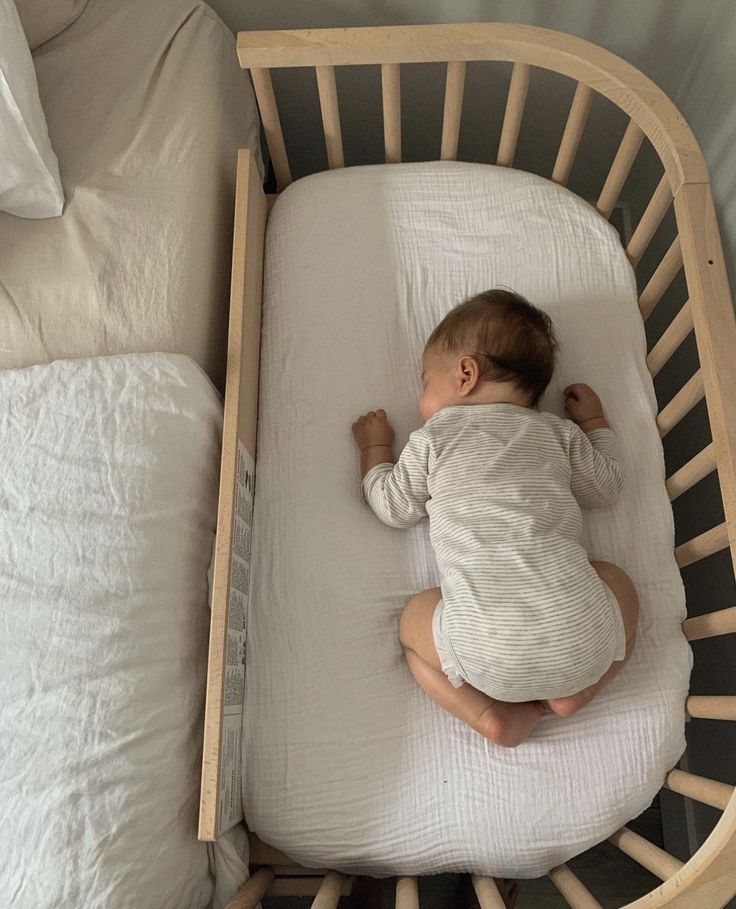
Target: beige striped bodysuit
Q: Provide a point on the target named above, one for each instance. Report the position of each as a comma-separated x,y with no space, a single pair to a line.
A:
523,614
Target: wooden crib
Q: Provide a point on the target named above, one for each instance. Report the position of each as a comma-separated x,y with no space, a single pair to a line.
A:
708,879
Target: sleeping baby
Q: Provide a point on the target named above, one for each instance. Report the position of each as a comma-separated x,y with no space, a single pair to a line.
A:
522,621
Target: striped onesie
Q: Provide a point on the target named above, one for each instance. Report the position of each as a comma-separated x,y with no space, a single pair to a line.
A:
523,614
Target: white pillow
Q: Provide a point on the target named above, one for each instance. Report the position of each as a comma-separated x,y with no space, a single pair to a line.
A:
30,185
107,516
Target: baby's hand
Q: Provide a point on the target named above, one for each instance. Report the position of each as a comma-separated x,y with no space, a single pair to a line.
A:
583,405
373,429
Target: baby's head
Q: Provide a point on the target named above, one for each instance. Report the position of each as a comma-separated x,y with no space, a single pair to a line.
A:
494,347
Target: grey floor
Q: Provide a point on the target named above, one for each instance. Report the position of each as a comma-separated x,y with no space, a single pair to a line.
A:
612,877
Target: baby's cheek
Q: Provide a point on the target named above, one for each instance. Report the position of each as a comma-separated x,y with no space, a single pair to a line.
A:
425,407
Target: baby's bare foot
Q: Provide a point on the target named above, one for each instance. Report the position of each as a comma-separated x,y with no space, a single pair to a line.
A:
507,724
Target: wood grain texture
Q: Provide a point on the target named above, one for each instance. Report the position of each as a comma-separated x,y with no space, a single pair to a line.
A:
576,120
709,792
327,89
487,892
620,168
663,276
698,467
407,893
454,90
391,94
515,103
683,402
263,87
577,895
328,895
645,853
650,220
239,423
712,707
609,75
675,333
710,625
715,333
702,546
253,890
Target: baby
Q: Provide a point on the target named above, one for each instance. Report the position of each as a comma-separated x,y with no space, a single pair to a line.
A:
522,620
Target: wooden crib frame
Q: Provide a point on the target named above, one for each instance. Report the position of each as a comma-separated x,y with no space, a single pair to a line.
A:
708,879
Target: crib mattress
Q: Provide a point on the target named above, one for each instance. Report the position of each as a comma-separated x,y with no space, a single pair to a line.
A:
347,763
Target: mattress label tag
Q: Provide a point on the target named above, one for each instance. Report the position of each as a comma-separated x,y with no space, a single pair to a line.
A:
231,807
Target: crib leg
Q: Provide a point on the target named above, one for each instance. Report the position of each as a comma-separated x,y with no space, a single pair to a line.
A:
253,890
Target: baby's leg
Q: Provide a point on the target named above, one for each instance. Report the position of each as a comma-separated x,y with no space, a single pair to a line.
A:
505,724
625,592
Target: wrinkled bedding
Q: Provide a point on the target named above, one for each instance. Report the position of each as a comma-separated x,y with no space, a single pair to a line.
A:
146,107
107,520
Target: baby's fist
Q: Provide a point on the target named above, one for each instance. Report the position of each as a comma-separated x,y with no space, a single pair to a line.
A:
373,429
582,403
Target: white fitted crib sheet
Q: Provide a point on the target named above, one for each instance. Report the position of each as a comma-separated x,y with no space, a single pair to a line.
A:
347,763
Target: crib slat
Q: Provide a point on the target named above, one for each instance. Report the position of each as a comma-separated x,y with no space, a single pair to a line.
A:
575,892
661,279
691,473
710,625
327,88
515,102
253,890
649,856
576,120
676,332
407,893
709,792
627,152
454,89
682,403
650,220
391,92
702,546
487,892
263,88
328,895
715,707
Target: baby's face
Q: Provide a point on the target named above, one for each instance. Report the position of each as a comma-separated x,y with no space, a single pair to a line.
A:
440,389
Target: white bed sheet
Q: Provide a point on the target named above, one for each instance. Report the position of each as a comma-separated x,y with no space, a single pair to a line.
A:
107,520
347,764
146,107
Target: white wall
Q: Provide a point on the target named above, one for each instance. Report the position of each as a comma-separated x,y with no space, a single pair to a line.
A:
706,97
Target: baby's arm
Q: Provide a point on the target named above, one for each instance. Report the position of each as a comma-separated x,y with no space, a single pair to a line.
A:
396,493
596,468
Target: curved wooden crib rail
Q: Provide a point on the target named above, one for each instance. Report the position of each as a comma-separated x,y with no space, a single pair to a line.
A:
708,879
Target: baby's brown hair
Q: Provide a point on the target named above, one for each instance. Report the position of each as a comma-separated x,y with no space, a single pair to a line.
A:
511,338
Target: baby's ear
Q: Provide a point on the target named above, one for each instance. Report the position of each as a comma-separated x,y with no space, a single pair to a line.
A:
468,374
